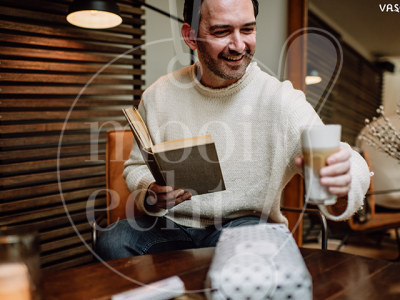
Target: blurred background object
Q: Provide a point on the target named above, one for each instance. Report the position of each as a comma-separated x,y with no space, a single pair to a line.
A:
20,275
381,138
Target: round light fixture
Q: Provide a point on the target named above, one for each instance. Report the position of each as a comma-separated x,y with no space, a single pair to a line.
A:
313,78
94,14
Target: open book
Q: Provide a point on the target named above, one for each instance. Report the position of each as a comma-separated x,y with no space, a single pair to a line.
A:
190,164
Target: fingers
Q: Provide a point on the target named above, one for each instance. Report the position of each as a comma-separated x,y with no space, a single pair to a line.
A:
339,185
176,201
336,176
339,191
337,181
165,197
298,161
336,169
159,189
342,155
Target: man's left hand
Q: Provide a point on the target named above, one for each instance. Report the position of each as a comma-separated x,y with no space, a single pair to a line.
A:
336,175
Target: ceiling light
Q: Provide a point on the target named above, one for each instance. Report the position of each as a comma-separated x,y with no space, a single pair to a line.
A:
313,78
94,14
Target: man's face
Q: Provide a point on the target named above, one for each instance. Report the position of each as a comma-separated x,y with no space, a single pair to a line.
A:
226,40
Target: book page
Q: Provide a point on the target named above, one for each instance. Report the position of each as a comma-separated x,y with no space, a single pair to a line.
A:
182,143
139,127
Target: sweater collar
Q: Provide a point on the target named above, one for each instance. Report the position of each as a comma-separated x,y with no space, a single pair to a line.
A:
251,72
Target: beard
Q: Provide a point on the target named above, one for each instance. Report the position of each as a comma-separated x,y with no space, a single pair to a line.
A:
217,66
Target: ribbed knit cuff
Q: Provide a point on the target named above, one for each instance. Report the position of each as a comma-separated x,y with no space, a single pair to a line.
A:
360,180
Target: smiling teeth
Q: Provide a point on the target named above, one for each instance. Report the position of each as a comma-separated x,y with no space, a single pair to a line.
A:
234,58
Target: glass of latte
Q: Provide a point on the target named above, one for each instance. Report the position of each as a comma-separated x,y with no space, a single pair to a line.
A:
318,143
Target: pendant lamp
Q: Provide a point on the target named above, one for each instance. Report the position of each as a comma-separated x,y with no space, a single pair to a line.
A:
94,14
313,78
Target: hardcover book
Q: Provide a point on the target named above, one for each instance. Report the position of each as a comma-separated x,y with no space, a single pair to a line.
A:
190,164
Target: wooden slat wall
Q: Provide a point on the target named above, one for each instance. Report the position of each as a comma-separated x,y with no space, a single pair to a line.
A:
357,93
44,64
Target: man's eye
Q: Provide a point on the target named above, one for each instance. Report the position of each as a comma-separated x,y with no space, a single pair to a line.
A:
221,32
248,29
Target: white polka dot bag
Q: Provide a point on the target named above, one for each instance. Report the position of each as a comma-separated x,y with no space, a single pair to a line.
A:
257,262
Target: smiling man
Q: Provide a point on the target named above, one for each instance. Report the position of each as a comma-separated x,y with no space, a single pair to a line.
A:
254,120
225,40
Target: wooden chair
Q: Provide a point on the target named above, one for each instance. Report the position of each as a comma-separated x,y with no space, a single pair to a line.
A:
119,200
373,221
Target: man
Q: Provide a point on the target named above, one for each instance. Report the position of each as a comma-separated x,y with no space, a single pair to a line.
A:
255,122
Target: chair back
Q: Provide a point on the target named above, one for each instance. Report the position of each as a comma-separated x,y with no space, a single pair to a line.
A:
120,203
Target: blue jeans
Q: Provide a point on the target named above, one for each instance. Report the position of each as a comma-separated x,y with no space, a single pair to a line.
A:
149,235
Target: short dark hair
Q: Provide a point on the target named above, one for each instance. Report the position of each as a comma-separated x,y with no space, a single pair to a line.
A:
190,4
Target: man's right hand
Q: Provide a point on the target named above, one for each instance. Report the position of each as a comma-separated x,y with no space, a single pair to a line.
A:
165,197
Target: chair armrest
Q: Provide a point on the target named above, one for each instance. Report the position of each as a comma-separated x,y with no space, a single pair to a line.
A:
321,217
95,232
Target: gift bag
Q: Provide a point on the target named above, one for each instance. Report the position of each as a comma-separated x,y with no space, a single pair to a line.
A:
258,262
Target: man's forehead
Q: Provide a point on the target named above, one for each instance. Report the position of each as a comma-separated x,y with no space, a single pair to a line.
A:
227,11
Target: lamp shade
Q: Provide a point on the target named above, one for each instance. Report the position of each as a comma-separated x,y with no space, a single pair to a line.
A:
95,14
313,78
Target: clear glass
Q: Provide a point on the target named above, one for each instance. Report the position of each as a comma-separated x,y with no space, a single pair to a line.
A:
20,274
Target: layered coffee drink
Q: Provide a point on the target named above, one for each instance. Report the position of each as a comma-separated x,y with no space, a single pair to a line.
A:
314,160
318,143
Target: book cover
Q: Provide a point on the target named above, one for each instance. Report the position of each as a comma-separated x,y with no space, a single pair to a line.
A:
190,164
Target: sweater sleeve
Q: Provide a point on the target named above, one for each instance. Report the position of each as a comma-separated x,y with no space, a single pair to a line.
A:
138,176
360,180
302,114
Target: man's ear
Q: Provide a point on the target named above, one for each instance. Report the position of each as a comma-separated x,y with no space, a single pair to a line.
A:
189,35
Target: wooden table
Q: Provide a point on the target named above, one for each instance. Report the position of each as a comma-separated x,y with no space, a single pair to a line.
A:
335,275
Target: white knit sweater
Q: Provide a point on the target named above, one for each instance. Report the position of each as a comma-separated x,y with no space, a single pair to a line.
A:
255,124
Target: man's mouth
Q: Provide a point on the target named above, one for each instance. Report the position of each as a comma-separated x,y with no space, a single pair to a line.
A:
234,58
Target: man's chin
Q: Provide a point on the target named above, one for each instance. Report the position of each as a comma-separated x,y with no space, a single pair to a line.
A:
235,72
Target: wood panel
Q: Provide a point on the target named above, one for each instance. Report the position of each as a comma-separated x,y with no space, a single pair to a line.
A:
66,231
38,190
296,71
83,34
67,55
81,249
65,67
71,262
49,86
74,137
45,127
36,178
61,8
51,223
46,212
50,152
53,90
56,115
47,200
66,44
65,103
51,246
58,19
49,163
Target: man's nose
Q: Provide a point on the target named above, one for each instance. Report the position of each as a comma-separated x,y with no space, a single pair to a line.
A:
237,44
